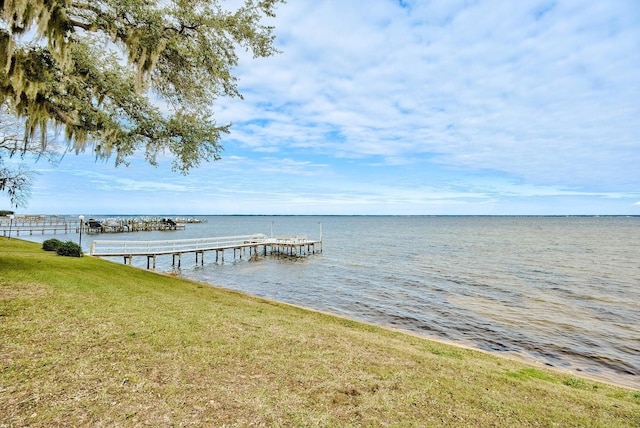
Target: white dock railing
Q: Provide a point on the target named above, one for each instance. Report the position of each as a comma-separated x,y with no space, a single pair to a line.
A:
106,248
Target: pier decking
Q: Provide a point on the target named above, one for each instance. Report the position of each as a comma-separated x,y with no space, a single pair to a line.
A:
294,246
43,224
111,225
35,224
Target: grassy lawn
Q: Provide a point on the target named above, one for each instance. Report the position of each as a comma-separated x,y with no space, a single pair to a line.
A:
86,342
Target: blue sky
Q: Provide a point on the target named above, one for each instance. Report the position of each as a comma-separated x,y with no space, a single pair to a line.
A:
407,107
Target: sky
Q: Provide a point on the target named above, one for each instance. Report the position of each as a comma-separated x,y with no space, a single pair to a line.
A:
406,107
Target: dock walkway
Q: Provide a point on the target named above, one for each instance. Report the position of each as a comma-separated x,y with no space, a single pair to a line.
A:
294,246
30,224
43,224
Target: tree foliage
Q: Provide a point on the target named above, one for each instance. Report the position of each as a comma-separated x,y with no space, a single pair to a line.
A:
16,177
120,76
16,183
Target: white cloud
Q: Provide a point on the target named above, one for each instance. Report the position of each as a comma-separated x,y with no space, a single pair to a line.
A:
545,91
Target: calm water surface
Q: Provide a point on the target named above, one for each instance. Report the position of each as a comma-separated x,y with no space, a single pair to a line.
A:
563,292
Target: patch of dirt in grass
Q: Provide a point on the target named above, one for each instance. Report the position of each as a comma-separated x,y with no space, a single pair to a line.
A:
22,291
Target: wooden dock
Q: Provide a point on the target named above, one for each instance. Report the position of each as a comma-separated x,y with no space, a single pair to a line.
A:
42,224
36,224
291,246
120,225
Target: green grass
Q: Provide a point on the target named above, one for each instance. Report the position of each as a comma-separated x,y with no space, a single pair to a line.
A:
85,342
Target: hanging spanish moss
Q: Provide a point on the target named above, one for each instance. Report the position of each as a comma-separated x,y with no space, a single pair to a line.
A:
88,68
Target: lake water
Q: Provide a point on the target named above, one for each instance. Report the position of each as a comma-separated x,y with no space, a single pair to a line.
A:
559,291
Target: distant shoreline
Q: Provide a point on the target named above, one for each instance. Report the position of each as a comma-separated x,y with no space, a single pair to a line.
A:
350,215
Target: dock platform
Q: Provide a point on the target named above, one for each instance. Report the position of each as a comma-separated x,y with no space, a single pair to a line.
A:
23,224
292,246
43,224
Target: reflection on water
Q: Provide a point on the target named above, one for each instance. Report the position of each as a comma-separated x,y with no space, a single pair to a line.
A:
560,291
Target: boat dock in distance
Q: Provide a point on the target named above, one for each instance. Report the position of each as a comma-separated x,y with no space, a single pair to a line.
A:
292,246
42,224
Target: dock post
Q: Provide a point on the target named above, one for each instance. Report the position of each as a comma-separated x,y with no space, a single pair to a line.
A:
173,259
153,257
173,263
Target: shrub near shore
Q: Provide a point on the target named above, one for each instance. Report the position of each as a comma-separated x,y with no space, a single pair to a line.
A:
69,248
87,342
